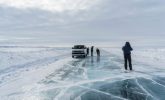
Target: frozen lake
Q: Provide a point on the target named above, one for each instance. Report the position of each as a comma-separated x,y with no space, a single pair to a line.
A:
49,73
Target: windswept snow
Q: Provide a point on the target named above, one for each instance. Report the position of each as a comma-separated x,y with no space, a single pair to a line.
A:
49,73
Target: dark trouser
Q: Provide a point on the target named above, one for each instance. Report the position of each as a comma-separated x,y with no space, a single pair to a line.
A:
91,53
87,53
98,54
127,57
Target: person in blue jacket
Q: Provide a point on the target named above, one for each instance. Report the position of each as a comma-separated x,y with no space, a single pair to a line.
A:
127,55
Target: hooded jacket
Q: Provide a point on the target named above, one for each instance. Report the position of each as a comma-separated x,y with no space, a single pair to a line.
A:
127,49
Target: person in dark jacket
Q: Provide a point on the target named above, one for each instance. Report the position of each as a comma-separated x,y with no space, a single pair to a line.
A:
87,51
127,55
92,50
98,52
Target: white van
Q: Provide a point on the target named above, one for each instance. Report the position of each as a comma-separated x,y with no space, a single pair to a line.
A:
79,51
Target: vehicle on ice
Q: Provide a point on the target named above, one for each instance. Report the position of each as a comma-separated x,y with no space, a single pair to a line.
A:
79,51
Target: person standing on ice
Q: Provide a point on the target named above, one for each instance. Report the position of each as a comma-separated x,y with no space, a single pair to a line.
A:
92,50
98,52
87,51
127,55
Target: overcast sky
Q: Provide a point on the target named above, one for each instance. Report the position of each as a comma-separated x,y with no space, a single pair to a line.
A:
82,19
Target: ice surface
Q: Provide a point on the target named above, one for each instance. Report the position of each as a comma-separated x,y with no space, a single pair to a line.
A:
49,73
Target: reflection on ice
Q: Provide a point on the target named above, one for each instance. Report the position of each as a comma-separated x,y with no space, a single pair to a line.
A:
126,89
131,89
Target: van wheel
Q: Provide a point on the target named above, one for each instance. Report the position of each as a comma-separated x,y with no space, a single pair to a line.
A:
72,56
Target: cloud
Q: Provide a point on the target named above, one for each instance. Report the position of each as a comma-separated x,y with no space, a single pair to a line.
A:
50,5
82,18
